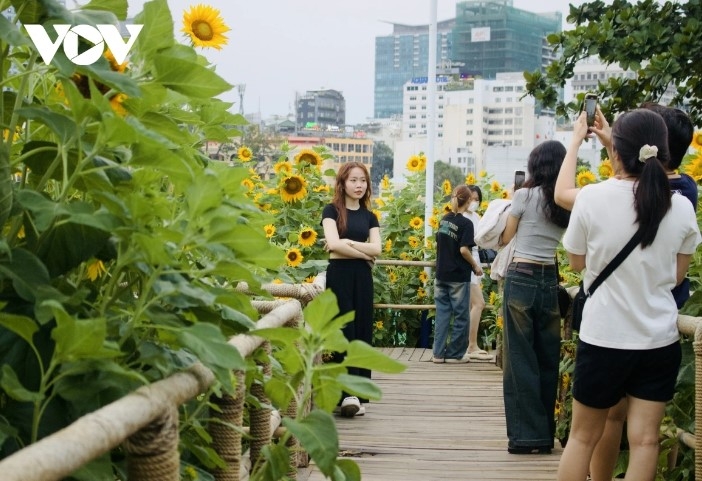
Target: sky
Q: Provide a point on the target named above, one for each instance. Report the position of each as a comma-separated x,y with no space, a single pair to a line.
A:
279,47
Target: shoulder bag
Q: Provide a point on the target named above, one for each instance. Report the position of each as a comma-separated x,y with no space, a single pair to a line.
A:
583,295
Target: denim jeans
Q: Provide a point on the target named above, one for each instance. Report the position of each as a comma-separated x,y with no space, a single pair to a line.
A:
452,303
532,338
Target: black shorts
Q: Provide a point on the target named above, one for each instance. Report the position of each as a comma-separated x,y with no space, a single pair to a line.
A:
604,375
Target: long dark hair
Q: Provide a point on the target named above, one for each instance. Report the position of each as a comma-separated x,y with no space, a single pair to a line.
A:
339,199
475,188
630,132
544,163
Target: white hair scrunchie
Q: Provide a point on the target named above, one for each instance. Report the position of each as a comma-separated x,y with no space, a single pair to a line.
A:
646,152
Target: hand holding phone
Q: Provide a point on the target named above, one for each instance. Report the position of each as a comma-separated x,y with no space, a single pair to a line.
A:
590,108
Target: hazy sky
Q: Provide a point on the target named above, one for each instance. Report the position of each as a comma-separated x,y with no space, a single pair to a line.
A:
278,47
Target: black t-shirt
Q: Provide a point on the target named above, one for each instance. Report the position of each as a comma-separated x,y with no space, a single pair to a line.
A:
686,186
454,232
358,222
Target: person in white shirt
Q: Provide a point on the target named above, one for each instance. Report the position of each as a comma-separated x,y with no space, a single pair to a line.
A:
629,342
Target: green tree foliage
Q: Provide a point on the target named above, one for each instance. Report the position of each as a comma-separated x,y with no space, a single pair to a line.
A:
444,171
660,42
382,163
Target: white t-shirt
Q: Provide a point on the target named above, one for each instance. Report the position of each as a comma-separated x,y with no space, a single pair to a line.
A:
633,308
475,219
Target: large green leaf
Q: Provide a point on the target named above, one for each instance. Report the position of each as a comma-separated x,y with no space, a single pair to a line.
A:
80,338
360,354
118,7
5,184
13,386
23,326
157,33
210,346
318,437
360,386
10,34
62,125
26,272
189,77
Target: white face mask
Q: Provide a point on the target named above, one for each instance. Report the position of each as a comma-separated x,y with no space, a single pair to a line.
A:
473,206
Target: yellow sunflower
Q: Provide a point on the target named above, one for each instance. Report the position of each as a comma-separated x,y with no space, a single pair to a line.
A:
388,245
293,188
269,229
697,140
385,183
499,322
482,174
429,244
283,167
378,214
423,277
310,279
484,205
116,102
416,223
379,202
470,179
495,186
309,156
565,381
392,277
585,177
434,222
605,169
446,186
117,67
694,167
414,164
277,281
205,26
492,299
248,183
413,242
505,194
379,325
294,257
405,256
244,153
322,188
95,270
421,293
423,162
447,208
307,237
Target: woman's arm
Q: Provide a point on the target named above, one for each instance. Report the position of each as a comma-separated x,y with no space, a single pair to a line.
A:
683,262
468,256
566,191
510,230
371,248
576,261
341,247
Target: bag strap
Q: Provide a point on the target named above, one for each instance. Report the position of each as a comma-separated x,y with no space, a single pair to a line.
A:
614,263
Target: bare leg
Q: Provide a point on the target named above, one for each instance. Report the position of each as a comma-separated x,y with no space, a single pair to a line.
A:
477,304
606,453
586,429
643,427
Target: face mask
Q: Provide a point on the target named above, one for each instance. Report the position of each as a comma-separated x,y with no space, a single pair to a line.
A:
473,206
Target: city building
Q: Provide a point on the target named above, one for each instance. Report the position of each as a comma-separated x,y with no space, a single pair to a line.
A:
344,147
486,37
320,110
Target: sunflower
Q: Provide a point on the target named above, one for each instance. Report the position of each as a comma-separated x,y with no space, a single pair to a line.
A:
116,67
697,140
379,202
95,269
482,174
379,325
310,279
499,322
309,156
605,169
585,177
423,162
283,167
694,167
484,205
385,183
307,237
116,103
434,222
269,229
505,194
495,186
470,179
414,164
388,245
428,244
277,281
413,242
322,188
392,277
248,183
205,26
416,223
405,256
492,299
294,257
447,208
421,293
244,153
378,214
446,186
423,277
565,381
293,188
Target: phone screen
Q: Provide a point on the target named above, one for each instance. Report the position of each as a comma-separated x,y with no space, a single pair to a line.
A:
519,177
590,107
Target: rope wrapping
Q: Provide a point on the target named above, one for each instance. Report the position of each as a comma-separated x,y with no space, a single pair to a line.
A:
226,440
152,452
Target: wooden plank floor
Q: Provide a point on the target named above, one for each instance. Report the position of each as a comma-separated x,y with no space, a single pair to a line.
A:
436,422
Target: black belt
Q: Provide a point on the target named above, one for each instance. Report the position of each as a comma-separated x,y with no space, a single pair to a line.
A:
531,268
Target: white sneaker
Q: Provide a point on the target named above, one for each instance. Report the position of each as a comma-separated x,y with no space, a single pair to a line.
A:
361,411
350,406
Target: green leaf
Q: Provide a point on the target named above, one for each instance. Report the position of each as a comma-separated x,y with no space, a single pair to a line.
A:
277,463
157,33
285,335
347,470
360,354
11,384
318,437
278,391
189,77
118,7
80,338
210,346
10,34
359,386
321,310
27,273
5,183
23,326
63,126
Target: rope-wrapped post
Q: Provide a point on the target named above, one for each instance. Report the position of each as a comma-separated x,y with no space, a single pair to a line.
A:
697,347
297,457
152,452
226,440
260,417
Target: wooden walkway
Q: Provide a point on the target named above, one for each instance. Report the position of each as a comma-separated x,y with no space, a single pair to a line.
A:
436,422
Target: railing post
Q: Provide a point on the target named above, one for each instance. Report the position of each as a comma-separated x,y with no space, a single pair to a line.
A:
260,417
152,452
226,440
697,347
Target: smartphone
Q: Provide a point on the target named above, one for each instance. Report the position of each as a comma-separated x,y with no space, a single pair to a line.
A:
590,107
519,178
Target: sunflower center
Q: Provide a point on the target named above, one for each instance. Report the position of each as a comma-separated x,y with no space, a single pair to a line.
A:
293,186
203,30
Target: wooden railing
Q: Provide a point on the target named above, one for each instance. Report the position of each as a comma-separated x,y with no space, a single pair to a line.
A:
145,422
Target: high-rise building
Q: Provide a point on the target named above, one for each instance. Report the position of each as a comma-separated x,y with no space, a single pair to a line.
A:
320,110
487,36
404,55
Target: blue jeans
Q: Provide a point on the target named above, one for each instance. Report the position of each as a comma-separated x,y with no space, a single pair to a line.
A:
452,302
532,339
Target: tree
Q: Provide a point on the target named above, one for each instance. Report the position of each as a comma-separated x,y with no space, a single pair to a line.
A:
382,163
444,171
660,42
